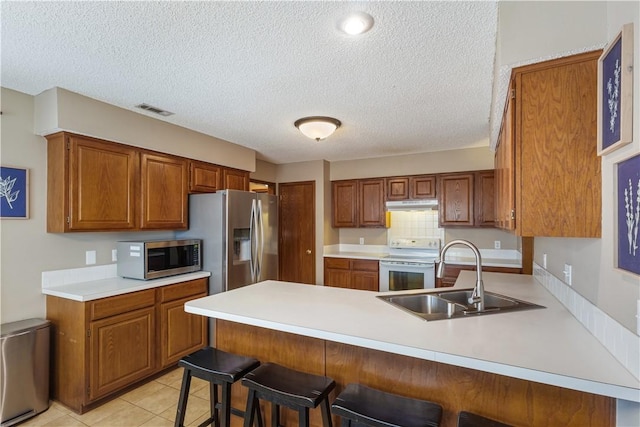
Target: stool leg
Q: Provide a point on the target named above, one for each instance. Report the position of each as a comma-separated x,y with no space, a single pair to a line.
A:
275,415
213,401
326,413
303,417
250,410
225,415
184,397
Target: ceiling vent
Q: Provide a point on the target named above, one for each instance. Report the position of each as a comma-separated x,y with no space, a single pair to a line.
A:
155,110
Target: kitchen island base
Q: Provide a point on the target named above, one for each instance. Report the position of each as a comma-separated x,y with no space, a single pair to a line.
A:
509,400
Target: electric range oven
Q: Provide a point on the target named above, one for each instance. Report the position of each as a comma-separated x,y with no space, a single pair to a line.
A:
409,265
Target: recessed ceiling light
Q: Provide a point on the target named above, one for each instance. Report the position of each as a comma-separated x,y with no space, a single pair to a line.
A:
357,23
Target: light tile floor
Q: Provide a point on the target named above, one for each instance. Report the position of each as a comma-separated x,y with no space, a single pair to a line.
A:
150,405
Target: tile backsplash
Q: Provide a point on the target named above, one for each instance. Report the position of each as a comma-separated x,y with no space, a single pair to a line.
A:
417,224
623,344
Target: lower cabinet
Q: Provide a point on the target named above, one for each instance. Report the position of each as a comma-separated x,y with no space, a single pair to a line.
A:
351,273
451,272
103,346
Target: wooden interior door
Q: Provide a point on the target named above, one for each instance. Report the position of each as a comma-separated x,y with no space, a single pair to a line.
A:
297,260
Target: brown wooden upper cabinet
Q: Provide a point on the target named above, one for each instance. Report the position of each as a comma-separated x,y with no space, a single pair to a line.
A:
467,199
456,199
358,203
410,187
549,177
235,179
164,186
204,177
91,184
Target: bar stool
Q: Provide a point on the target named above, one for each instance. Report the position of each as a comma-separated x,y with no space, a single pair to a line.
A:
468,419
219,368
364,405
293,389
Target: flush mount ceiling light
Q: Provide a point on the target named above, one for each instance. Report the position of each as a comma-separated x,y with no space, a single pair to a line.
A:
357,23
317,127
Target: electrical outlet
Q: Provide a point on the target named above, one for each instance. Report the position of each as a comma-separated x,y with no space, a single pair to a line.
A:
114,255
90,257
496,244
568,272
362,240
544,261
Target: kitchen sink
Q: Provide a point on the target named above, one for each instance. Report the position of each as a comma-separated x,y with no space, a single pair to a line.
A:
454,304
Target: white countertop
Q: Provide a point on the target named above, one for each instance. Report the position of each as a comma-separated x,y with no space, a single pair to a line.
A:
490,257
96,289
543,345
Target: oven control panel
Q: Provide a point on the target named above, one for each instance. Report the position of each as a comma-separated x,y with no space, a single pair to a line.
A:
417,243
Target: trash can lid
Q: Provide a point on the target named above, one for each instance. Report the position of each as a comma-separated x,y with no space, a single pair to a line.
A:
14,328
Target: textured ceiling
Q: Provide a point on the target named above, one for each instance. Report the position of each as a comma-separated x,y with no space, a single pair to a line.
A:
420,80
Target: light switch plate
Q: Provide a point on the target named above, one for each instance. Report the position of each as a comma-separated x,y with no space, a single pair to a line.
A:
114,255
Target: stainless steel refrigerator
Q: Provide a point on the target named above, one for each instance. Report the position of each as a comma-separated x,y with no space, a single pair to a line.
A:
239,232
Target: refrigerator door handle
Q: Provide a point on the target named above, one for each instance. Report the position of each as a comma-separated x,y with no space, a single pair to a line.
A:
252,236
261,240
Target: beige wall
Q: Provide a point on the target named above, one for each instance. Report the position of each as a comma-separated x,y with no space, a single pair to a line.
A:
530,30
59,109
436,162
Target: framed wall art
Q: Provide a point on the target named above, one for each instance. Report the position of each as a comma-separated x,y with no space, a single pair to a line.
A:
14,193
615,97
628,214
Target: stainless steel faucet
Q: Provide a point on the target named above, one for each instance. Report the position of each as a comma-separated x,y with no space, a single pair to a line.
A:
477,297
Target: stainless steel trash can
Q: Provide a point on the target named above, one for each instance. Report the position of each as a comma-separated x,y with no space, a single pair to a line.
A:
24,360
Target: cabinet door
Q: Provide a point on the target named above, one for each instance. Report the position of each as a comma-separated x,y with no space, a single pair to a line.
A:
102,185
344,212
456,199
164,192
505,170
181,333
234,179
204,177
122,350
484,206
371,203
423,187
397,188
556,133
337,272
365,280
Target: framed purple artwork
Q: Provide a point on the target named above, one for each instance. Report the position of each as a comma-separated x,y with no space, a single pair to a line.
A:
615,96
14,193
628,214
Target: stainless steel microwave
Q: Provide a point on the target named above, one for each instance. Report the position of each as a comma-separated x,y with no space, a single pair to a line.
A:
158,258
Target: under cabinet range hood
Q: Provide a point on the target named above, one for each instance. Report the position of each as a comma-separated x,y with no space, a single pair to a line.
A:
412,205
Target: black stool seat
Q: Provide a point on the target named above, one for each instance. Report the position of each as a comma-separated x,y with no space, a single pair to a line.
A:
218,368
287,387
365,405
468,419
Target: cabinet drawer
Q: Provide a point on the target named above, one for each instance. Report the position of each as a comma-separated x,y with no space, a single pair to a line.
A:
340,263
182,290
364,265
111,306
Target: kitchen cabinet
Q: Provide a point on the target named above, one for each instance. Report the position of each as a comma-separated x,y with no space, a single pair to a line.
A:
358,203
549,177
451,272
410,187
204,177
467,199
103,346
164,192
91,184
456,199
180,332
484,200
351,273
235,179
